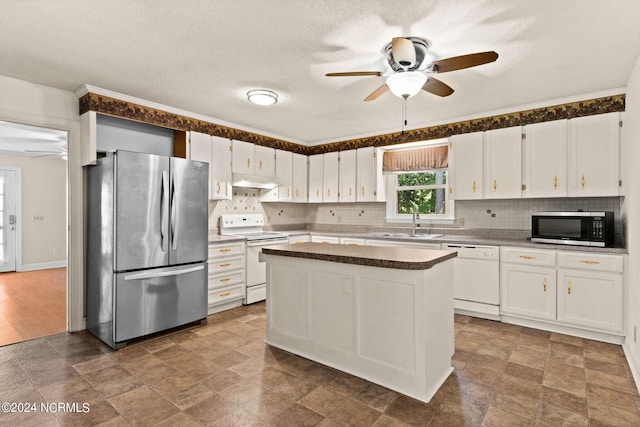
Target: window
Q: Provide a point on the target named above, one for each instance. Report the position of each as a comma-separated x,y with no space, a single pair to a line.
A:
425,189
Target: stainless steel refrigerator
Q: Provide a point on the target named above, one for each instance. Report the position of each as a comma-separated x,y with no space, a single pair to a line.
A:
147,227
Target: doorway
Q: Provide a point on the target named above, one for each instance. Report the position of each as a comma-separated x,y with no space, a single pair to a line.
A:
33,232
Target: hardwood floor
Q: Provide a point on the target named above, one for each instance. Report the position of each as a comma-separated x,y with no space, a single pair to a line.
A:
33,304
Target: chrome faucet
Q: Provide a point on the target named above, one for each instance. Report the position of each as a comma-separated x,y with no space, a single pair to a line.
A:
416,216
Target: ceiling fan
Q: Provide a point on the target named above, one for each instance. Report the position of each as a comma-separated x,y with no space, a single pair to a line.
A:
410,74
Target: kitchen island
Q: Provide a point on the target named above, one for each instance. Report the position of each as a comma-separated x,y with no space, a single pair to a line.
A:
382,314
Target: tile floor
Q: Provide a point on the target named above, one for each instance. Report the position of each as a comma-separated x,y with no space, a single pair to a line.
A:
222,374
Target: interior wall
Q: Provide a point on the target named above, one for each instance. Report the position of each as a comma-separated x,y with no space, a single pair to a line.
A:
38,105
631,215
44,210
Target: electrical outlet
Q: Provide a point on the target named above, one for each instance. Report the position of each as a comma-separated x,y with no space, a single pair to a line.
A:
38,218
56,251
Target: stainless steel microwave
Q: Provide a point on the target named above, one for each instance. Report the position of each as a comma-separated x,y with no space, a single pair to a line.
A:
573,228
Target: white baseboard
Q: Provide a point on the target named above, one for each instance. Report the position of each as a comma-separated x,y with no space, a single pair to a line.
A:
42,265
633,360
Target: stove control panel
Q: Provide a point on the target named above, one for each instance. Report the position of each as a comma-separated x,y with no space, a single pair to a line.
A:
240,221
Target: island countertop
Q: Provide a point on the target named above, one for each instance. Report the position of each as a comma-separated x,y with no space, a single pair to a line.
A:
373,256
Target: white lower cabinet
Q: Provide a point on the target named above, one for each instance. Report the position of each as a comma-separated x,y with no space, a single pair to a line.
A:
590,291
566,289
227,275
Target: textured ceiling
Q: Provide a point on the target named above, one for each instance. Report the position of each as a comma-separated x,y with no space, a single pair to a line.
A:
202,55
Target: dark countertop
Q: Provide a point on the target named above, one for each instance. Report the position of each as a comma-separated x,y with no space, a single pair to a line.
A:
373,256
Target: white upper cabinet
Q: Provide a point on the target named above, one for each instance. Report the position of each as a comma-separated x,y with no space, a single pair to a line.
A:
330,172
369,179
265,161
284,175
300,179
347,176
316,163
242,158
220,169
465,166
594,161
253,159
503,163
217,152
545,159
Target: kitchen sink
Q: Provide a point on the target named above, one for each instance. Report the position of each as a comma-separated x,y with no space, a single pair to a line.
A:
425,236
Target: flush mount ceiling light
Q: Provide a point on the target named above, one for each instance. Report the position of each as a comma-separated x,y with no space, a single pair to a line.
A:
262,97
406,84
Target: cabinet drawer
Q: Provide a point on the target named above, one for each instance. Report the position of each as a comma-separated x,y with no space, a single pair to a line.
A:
219,265
222,295
591,261
526,256
218,251
226,279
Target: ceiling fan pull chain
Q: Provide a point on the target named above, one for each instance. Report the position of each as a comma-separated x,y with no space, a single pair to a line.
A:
404,114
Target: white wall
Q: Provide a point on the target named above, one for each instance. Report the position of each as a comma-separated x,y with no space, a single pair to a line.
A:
44,193
631,214
38,105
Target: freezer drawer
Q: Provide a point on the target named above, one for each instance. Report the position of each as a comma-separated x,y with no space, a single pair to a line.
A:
154,300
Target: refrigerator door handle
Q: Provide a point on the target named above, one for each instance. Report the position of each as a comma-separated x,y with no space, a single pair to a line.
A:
163,208
174,212
153,274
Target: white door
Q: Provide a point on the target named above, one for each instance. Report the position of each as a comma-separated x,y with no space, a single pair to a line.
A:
8,220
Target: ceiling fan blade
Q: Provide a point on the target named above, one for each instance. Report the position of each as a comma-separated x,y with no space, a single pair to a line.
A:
464,61
436,87
354,73
403,51
376,93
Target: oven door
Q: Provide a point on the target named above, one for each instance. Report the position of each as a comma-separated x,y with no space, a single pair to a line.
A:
256,269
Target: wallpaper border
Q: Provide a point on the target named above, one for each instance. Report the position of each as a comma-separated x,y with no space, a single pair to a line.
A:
114,107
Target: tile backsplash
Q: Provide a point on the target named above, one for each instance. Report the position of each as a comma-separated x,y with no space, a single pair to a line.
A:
514,214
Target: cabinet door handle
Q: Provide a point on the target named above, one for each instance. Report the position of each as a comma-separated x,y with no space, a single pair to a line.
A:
555,182
349,191
569,285
225,279
225,294
544,284
248,163
582,182
218,186
225,250
362,191
473,186
317,192
260,165
495,185
297,192
589,261
450,190
226,264
328,192
288,192
527,257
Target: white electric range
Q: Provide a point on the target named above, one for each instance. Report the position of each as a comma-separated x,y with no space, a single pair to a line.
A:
251,227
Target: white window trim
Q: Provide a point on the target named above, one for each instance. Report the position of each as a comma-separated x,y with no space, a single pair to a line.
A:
391,182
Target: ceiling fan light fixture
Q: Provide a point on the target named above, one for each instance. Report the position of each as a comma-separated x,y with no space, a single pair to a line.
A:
405,85
262,97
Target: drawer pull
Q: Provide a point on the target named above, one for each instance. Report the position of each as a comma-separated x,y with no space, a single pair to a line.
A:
352,244
544,284
527,257
225,250
225,294
226,264
225,279
589,261
218,186
569,285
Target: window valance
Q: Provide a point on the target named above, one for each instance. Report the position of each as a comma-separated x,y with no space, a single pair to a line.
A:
416,159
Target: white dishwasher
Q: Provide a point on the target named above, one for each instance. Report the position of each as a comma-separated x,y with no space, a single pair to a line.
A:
476,280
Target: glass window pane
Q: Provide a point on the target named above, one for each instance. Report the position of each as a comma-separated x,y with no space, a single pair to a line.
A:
431,201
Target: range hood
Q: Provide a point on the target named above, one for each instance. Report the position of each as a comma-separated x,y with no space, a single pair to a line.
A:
253,181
